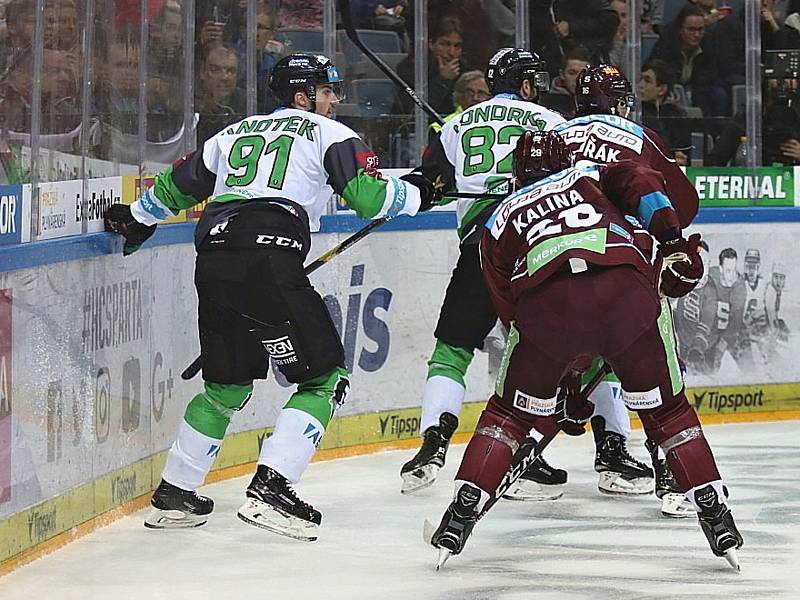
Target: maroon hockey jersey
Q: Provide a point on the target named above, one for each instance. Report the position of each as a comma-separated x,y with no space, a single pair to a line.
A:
608,138
588,214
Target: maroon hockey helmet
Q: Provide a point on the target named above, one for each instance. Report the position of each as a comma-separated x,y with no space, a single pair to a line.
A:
539,154
603,90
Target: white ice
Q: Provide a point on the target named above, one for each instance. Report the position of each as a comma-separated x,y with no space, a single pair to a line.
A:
584,545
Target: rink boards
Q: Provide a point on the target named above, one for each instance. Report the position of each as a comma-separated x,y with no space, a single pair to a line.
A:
91,347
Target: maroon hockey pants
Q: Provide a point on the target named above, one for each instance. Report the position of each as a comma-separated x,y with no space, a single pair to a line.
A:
610,312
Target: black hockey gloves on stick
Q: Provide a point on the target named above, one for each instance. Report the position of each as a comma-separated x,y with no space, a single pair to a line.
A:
118,219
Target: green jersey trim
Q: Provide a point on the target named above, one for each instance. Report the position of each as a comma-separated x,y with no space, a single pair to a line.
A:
593,240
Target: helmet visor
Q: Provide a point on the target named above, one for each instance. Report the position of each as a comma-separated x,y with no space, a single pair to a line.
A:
541,81
331,89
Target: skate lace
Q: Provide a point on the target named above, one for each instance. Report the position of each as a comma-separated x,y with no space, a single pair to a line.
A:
292,495
623,451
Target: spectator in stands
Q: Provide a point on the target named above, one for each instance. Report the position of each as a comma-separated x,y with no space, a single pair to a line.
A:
217,21
557,26
218,99
780,25
659,114
166,36
619,45
470,89
268,52
561,96
59,91
652,14
445,48
306,14
481,39
684,44
711,15
20,23
61,25
780,128
383,15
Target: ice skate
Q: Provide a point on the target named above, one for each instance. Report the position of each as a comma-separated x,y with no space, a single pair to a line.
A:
457,523
176,508
674,502
273,505
539,482
620,473
420,472
717,523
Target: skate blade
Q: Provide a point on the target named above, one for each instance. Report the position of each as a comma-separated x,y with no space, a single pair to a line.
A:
615,484
676,506
265,516
733,559
530,491
418,479
428,529
173,519
444,554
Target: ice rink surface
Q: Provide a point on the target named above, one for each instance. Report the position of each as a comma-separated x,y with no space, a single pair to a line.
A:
585,545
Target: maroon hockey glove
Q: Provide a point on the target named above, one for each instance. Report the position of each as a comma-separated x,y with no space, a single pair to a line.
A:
118,219
573,410
679,265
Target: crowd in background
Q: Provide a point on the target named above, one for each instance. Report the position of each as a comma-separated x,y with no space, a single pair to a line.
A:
692,66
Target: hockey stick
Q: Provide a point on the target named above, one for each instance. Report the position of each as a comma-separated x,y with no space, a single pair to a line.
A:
532,449
197,364
349,27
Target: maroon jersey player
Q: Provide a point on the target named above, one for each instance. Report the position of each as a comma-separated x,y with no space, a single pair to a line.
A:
602,133
570,277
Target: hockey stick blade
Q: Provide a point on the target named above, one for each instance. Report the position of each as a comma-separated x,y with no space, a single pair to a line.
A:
197,364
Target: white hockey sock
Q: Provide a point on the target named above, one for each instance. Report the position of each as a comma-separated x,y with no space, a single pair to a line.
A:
292,444
190,458
442,394
607,399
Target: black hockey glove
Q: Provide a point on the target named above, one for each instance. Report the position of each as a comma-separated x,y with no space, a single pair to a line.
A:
118,219
573,410
431,194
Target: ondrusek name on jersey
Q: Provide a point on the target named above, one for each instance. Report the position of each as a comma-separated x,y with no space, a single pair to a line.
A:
557,186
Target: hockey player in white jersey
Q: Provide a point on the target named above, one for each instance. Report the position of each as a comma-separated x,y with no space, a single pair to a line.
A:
473,153
264,176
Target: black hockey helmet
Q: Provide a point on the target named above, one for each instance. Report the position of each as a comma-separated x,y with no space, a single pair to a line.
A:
539,154
509,67
303,73
603,90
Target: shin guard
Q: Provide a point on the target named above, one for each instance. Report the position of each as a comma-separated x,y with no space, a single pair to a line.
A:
497,437
680,436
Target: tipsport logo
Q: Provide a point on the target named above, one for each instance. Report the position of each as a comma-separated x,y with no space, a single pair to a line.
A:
396,426
717,401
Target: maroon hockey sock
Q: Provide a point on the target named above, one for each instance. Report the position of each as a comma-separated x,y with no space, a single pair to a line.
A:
677,430
497,436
